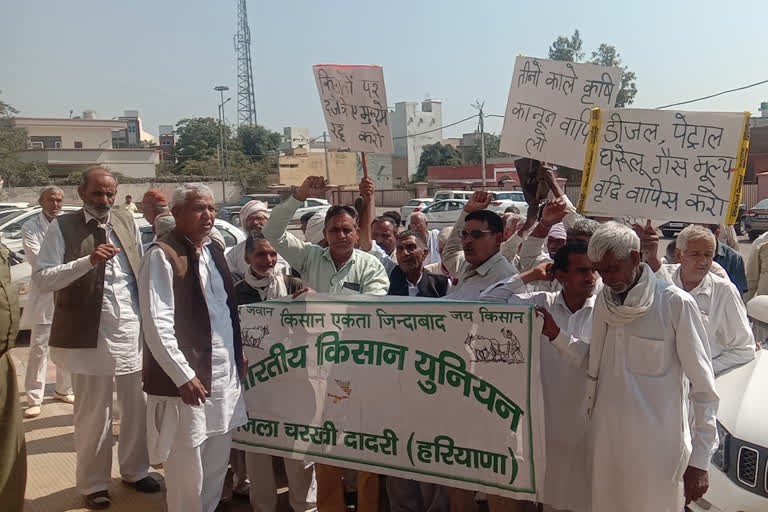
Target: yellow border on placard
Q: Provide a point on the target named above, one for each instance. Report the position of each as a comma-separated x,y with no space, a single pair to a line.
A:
593,142
741,169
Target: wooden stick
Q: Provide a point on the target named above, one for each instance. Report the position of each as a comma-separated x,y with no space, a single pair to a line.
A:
365,164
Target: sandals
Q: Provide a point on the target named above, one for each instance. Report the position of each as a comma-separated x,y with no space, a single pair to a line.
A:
98,500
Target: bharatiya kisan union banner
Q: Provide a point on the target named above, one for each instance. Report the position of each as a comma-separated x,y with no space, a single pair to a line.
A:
432,390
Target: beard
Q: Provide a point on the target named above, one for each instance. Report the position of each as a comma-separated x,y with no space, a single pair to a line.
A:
97,210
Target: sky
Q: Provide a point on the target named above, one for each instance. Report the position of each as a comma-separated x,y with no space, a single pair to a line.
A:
164,58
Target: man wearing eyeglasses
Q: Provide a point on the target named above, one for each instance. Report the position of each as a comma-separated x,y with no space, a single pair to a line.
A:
473,250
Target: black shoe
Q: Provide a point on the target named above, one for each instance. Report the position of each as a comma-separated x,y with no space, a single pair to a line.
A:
98,500
146,484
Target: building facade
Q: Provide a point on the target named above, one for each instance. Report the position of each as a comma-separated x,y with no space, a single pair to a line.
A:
71,145
409,121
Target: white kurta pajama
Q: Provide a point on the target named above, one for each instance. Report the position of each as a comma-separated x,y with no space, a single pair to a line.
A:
567,483
193,442
39,314
115,364
639,434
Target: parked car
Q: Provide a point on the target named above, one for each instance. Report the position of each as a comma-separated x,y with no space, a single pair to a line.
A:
232,234
738,473
442,195
670,229
14,206
312,205
414,205
441,214
231,214
506,198
10,226
756,220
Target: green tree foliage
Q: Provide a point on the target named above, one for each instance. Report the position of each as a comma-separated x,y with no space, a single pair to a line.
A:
16,173
436,154
491,149
569,49
258,142
197,139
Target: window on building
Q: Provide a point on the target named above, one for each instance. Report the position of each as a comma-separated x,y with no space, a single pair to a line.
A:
78,144
132,129
166,143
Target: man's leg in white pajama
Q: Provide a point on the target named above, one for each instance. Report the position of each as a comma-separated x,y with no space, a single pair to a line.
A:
215,456
184,478
263,493
93,431
302,494
132,445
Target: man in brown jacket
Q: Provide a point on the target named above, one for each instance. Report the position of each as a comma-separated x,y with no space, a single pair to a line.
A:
191,370
89,260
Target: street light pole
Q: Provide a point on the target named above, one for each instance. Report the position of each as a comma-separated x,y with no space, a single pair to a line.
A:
325,148
222,161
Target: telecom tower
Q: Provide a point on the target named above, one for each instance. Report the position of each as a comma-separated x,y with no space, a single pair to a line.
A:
246,99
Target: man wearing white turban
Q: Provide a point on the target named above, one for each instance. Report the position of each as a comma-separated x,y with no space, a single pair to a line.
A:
253,215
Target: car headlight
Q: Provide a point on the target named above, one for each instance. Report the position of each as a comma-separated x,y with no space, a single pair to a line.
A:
721,456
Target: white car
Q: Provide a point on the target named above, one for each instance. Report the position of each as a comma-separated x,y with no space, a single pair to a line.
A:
10,226
233,235
504,199
414,205
738,472
441,214
311,205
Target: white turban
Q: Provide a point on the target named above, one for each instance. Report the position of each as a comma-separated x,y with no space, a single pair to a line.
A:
164,223
557,232
315,225
252,207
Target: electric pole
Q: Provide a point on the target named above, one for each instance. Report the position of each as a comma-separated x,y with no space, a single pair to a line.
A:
479,106
325,148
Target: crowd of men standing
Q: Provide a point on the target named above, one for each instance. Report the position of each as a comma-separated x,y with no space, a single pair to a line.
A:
630,340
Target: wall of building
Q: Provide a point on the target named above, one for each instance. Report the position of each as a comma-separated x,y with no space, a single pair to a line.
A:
89,136
136,190
379,170
342,167
410,118
135,163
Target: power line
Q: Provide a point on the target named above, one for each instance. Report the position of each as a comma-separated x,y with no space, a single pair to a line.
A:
436,129
713,95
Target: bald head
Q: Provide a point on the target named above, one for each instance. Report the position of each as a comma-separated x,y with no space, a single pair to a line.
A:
418,223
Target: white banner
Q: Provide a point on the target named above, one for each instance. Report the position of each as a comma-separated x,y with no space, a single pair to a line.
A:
354,102
547,115
665,165
438,391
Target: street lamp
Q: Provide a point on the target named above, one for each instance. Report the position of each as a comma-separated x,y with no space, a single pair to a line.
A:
222,164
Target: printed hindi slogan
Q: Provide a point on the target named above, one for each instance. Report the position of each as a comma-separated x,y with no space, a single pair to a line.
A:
438,391
354,102
659,164
547,115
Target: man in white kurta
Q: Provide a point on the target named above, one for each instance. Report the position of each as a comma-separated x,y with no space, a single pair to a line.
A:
39,310
648,348
191,433
114,364
731,342
567,322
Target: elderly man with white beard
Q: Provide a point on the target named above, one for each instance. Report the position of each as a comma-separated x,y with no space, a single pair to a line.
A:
731,342
648,349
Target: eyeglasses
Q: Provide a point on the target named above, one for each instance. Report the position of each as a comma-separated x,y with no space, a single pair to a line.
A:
474,233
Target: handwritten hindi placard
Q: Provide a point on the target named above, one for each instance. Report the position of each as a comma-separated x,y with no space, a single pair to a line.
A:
354,102
437,391
547,115
663,164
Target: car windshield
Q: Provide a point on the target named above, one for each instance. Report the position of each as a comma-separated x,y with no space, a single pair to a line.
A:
762,204
440,197
514,196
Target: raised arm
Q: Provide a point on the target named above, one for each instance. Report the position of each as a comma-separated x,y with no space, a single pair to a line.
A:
366,213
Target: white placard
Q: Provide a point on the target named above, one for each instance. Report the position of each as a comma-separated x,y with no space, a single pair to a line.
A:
431,390
547,115
666,165
354,102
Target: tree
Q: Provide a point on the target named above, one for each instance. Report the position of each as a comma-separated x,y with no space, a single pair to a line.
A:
258,142
569,49
436,154
565,48
606,55
492,142
197,139
12,139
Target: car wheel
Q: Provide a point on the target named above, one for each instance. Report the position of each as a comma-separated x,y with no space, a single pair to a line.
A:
752,235
668,234
739,227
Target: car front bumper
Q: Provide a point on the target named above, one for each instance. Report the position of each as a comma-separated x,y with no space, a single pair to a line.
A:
725,496
756,224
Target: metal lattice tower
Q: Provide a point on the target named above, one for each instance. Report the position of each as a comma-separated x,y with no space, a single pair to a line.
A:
246,99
